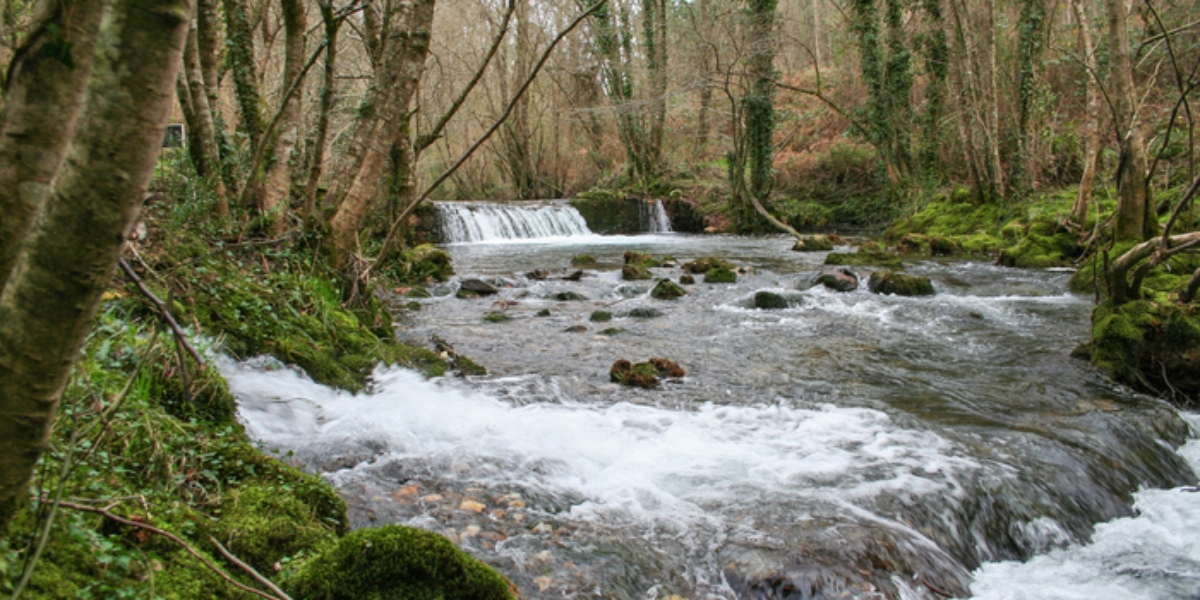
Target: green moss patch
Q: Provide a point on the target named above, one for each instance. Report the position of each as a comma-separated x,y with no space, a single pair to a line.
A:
1149,346
395,562
865,259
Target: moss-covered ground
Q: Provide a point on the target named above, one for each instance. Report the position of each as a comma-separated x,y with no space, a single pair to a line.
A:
131,438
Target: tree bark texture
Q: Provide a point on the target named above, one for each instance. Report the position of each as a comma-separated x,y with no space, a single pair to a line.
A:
328,88
70,252
240,42
760,103
201,124
1134,217
404,47
42,101
277,181
1090,127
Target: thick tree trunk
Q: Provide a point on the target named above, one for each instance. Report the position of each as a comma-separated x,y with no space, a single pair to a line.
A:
70,252
760,106
1134,217
277,181
42,100
404,47
204,130
1090,127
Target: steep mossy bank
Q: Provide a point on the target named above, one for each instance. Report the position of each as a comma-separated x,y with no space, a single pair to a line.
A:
1150,346
147,438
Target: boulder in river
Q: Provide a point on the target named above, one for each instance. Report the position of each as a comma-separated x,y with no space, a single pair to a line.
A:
687,280
631,273
720,275
815,243
645,313
583,260
538,274
646,374
568,296
667,290
640,259
704,265
478,287
601,316
769,300
887,282
839,279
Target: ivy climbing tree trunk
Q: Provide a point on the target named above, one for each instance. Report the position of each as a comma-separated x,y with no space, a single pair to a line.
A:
42,100
69,254
1134,217
760,107
1030,41
240,44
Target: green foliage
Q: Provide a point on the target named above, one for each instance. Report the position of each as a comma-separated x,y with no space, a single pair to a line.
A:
396,563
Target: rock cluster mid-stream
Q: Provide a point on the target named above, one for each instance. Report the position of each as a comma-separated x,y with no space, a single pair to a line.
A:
849,445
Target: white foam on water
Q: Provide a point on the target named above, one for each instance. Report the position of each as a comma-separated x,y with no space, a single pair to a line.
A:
1154,555
661,464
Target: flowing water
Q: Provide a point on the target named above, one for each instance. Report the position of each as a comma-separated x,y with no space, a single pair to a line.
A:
851,445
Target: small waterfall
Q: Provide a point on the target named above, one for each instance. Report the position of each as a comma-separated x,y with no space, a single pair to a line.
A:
487,222
654,217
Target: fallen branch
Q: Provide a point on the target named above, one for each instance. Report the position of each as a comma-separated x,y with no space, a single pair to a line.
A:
1189,293
162,310
104,512
248,569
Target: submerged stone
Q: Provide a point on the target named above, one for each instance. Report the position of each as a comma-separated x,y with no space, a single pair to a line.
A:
568,297
704,265
478,286
601,316
645,313
887,282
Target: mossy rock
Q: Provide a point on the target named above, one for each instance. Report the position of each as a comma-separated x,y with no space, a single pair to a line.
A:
395,562
888,282
545,312
865,259
913,243
640,259
418,291
611,331
642,375
583,260
667,290
815,243
704,265
568,297
1044,245
645,313
720,275
601,316
426,262
1152,347
687,279
769,300
943,246
634,273
497,317
263,524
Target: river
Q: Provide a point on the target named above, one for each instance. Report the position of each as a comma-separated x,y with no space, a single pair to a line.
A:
852,445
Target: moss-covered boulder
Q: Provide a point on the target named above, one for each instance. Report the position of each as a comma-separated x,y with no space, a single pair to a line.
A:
720,275
644,312
838,279
646,374
667,290
943,246
601,316
634,273
814,243
888,282
583,260
704,265
395,562
769,300
263,524
640,259
426,262
1150,346
686,279
865,259
568,296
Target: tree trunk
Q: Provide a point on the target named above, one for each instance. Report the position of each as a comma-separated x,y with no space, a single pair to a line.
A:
1134,217
760,108
277,181
70,253
1090,127
328,88
43,98
992,98
204,131
240,42
404,47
